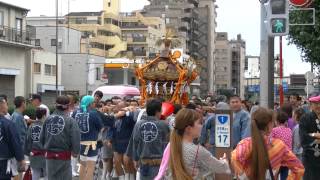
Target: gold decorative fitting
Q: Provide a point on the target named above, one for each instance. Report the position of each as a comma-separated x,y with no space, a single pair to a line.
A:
162,70
162,66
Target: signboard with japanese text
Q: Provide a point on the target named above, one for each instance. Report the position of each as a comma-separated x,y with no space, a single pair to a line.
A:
223,130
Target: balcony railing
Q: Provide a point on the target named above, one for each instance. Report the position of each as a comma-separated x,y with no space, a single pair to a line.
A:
139,53
16,35
128,14
139,39
195,2
152,55
133,26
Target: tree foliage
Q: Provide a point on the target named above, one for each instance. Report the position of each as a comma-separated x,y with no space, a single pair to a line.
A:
306,38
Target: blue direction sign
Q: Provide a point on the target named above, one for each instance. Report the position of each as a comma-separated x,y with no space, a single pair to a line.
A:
223,130
254,88
285,86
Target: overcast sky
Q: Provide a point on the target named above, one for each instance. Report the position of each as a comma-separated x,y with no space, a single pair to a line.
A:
234,16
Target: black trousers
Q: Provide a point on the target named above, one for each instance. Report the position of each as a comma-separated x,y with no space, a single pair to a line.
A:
3,169
312,169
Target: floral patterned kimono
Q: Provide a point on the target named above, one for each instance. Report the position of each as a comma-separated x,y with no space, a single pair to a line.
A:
279,155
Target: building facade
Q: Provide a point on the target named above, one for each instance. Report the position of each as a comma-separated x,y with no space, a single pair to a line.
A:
43,75
69,40
102,28
81,73
122,71
238,56
15,49
44,20
141,34
252,67
223,62
231,64
115,35
177,14
206,35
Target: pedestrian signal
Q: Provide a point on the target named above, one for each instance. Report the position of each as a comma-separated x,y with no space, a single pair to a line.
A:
278,25
278,17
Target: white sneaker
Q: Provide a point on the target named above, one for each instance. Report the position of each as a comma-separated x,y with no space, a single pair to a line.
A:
114,174
74,174
131,177
126,176
108,177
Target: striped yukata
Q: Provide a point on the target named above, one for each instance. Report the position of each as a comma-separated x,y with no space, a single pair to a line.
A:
279,155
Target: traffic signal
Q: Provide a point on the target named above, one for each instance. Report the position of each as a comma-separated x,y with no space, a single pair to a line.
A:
278,25
278,17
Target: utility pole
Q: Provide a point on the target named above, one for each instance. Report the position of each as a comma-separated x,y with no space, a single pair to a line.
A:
88,65
68,21
266,62
57,69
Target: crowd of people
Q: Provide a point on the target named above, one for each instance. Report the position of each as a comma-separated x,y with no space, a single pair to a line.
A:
139,141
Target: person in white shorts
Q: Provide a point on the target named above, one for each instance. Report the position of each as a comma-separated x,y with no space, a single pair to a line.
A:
90,124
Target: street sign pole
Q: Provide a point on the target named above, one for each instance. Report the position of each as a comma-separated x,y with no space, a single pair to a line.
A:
281,73
266,62
223,137
309,76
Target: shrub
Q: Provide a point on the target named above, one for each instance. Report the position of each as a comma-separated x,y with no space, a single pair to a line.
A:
52,109
11,109
30,111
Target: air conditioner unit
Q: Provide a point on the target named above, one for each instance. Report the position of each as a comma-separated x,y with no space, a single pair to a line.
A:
2,32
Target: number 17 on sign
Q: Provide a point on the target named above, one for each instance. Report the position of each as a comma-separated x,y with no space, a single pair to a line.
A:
223,138
222,130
